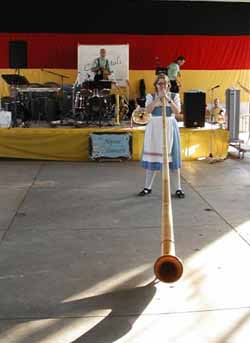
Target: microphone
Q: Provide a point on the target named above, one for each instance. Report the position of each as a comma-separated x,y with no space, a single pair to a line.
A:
217,86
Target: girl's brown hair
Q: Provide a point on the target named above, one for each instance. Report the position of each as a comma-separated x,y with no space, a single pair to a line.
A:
160,77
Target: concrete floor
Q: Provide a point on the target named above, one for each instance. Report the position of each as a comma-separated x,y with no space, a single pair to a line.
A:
78,247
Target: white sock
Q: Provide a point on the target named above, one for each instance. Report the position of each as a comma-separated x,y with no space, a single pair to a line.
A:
176,179
150,175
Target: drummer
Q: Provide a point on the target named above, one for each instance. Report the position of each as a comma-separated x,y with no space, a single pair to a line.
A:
101,66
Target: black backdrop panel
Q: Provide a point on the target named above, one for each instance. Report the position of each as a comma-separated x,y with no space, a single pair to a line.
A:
130,16
18,54
194,109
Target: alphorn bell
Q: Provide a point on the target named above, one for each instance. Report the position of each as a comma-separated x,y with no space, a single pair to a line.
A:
168,267
140,116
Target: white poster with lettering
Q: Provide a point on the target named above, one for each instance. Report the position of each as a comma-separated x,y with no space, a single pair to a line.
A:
118,56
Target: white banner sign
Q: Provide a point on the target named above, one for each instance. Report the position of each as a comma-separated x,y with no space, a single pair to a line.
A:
118,56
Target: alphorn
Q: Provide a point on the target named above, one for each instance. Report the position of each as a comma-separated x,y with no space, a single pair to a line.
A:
117,104
168,267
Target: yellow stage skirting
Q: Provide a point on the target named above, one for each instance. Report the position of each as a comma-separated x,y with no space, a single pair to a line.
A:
69,144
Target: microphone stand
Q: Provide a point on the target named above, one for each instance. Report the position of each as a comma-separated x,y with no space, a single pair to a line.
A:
57,74
62,77
76,83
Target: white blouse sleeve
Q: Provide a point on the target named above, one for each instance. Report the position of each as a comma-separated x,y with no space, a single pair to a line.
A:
149,99
177,101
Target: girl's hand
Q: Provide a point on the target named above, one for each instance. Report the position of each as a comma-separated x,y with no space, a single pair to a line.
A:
164,93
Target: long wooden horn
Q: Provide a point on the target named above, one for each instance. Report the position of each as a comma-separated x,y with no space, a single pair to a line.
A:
168,267
117,103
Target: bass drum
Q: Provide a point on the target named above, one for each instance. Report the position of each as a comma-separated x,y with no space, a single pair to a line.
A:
96,103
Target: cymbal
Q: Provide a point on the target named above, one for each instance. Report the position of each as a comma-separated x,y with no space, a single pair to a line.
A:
105,92
140,116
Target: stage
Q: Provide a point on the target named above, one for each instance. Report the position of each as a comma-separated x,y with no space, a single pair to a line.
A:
72,144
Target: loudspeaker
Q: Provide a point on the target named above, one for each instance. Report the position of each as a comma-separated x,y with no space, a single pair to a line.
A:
194,109
233,112
18,54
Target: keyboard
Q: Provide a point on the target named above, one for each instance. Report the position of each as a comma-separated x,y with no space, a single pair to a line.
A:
38,90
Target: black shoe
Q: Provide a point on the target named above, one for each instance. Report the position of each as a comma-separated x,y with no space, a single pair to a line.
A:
145,191
180,194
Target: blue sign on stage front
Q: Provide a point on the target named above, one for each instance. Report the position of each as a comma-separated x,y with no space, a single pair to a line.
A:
110,145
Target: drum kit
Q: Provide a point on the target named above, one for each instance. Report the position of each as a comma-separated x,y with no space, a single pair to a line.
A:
90,103
94,104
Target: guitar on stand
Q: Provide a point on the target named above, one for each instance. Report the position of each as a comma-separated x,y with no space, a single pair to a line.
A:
122,104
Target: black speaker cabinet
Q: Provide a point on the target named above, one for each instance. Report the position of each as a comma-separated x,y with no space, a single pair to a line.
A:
194,109
18,54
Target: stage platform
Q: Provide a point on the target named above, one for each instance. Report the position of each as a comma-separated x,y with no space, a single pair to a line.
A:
72,144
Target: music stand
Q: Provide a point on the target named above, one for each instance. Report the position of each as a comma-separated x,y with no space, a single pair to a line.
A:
15,79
